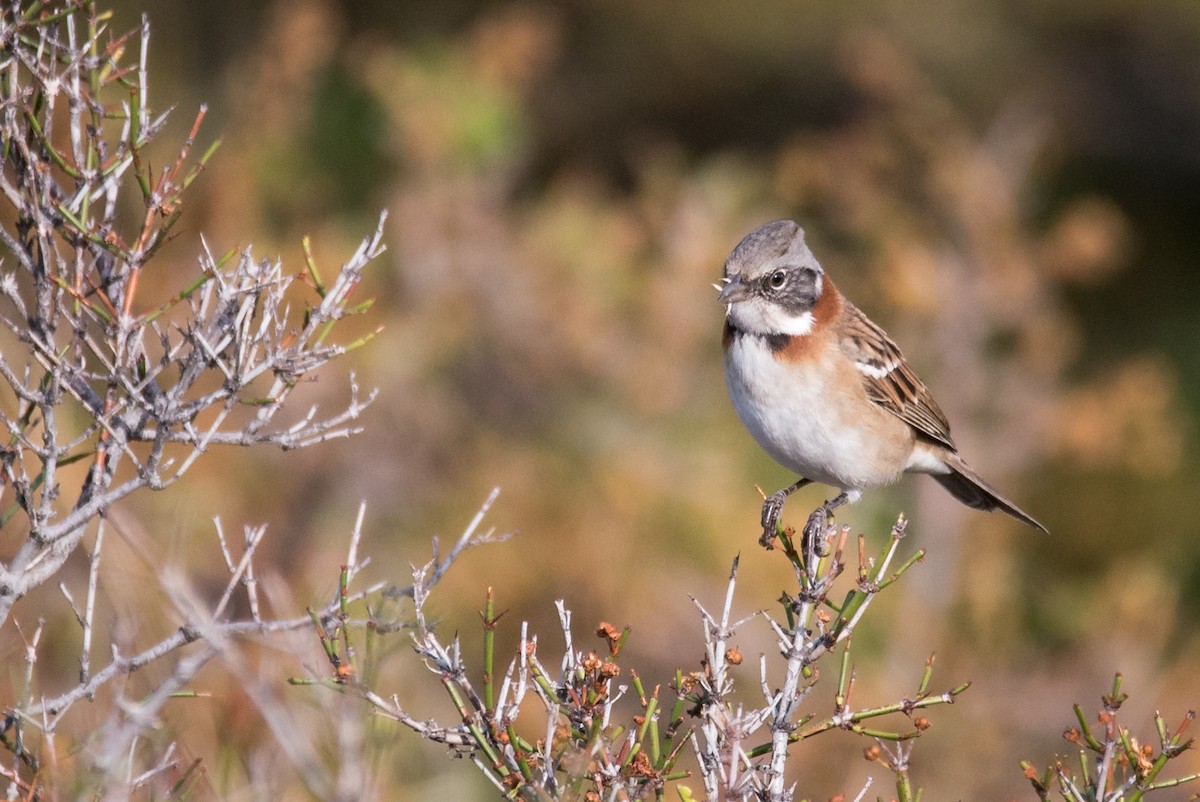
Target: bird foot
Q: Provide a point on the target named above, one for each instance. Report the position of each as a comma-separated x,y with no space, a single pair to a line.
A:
816,524
772,509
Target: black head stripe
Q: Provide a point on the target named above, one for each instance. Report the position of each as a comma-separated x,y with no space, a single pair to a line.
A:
799,294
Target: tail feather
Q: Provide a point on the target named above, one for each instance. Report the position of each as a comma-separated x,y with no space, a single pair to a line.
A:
966,486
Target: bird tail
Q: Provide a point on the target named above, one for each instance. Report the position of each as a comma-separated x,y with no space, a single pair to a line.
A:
966,486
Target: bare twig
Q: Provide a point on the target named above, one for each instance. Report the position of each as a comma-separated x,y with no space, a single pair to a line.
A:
157,384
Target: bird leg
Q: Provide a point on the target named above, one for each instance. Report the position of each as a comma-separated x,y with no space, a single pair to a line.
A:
773,508
821,515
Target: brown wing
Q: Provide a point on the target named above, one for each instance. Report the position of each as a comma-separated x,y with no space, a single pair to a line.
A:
888,379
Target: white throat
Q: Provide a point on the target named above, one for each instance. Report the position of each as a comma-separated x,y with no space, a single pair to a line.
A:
795,325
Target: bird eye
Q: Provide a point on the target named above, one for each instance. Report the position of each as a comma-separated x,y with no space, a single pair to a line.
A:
777,280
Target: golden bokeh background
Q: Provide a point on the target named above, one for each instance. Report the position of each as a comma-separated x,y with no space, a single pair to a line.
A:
1011,189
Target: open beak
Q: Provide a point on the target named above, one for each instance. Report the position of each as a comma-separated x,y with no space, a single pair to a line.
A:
731,290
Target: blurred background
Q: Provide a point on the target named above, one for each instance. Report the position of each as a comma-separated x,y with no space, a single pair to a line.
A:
1011,189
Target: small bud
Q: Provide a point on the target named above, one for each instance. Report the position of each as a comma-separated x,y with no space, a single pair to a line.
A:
642,767
872,752
733,656
1144,755
689,682
921,723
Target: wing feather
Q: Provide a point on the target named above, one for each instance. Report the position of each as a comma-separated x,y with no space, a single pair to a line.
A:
888,379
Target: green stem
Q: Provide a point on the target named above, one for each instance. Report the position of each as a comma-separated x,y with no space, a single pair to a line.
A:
489,648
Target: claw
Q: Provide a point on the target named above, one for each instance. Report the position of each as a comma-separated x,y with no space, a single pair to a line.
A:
815,526
773,508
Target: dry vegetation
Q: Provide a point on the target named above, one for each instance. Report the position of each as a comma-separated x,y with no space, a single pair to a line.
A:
538,328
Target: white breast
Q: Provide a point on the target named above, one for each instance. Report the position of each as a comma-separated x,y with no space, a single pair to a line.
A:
800,417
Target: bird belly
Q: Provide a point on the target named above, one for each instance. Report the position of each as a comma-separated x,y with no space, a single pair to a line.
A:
814,420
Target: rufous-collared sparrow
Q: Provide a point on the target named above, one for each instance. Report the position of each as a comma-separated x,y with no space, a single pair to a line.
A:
823,389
